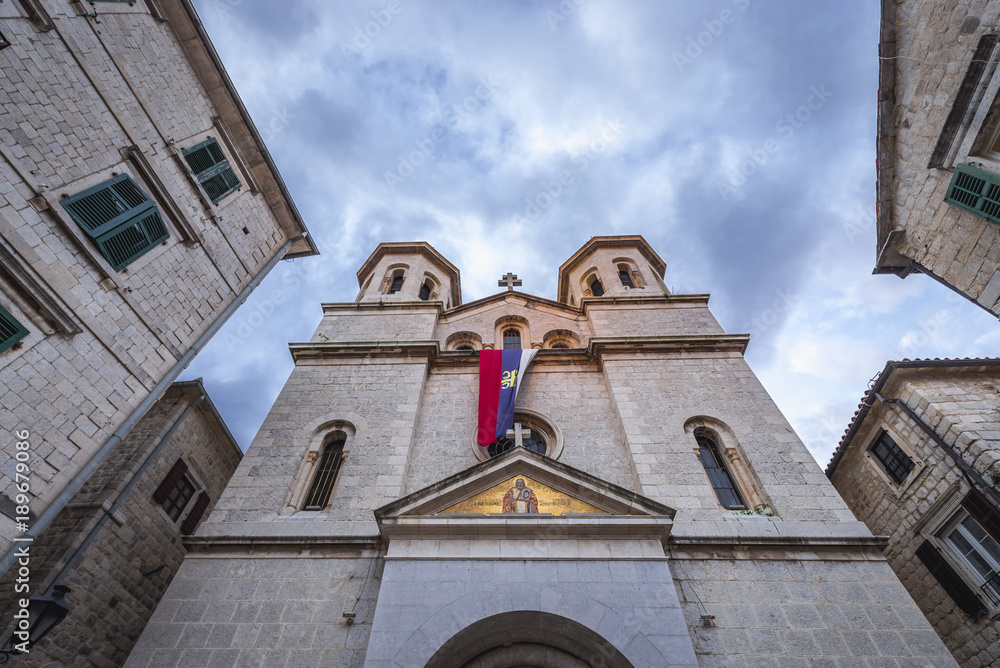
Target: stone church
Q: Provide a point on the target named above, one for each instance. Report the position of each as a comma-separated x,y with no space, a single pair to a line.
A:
649,507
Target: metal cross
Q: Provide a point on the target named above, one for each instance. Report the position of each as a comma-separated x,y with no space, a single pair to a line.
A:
510,280
518,433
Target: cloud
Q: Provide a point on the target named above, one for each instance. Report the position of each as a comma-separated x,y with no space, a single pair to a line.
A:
787,255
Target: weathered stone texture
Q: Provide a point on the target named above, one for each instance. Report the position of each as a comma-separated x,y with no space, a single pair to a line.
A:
73,99
930,56
626,397
826,613
963,406
121,576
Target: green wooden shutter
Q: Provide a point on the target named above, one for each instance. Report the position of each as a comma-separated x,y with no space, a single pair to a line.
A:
212,170
951,581
11,331
119,218
976,191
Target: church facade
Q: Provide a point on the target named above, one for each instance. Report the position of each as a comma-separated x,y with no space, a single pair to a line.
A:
650,506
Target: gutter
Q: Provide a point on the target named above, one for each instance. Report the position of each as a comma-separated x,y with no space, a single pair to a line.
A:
74,486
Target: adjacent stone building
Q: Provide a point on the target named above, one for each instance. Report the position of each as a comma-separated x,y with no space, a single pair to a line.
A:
938,147
920,463
118,543
651,507
138,209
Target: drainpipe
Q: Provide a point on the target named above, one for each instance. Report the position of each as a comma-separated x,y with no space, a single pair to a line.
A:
81,477
121,495
971,475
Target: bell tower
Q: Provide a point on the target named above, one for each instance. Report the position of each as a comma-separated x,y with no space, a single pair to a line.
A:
620,266
409,272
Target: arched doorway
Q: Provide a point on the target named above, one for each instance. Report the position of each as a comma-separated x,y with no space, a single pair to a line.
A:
527,639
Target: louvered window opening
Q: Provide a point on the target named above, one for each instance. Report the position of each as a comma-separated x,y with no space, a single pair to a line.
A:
511,339
625,278
326,475
178,497
953,584
397,284
718,474
11,331
895,462
977,191
425,292
212,170
119,218
597,288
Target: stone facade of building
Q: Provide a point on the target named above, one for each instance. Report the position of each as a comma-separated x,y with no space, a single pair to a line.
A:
138,207
405,556
939,117
944,418
115,545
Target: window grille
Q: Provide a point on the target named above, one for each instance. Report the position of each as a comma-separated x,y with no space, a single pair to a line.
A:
425,291
397,284
511,339
626,278
326,475
895,462
718,474
596,287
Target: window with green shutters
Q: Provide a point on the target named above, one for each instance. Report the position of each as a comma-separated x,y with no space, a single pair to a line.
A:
212,170
11,331
121,220
976,191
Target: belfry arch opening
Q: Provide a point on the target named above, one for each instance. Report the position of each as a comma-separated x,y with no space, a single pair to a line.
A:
527,639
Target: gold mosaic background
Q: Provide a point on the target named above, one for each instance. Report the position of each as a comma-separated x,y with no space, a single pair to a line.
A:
549,500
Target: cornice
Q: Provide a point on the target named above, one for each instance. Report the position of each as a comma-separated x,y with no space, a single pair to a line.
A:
258,544
341,307
711,343
321,351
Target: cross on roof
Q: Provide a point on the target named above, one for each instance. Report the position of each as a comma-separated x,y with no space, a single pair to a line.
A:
518,433
510,280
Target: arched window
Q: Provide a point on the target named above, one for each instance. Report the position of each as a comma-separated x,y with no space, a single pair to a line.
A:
596,287
625,276
715,466
425,291
397,282
326,473
511,338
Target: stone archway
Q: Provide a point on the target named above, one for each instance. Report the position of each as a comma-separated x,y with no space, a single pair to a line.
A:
527,639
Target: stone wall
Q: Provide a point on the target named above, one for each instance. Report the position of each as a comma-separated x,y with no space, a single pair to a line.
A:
964,408
820,611
77,99
120,578
932,44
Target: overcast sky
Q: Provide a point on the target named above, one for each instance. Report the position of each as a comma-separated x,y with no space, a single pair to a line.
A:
737,136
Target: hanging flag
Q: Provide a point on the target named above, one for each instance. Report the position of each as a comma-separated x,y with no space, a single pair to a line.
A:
500,374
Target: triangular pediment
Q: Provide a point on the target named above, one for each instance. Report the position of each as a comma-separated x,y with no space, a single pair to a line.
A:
550,492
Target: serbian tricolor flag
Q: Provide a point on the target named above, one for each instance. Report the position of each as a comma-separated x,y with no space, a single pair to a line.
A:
500,374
